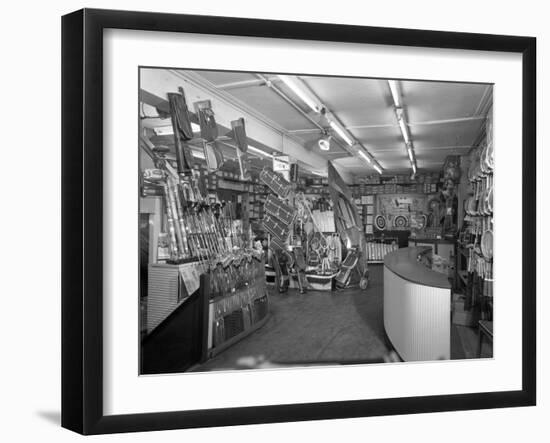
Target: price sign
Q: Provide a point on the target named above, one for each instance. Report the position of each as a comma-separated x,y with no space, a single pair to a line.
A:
191,277
281,163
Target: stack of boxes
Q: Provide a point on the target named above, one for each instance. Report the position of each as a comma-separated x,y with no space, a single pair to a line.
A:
399,184
367,205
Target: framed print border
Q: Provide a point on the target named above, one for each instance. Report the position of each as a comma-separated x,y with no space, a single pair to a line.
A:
82,220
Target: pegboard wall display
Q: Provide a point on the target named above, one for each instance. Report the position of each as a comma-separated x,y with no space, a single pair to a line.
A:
399,209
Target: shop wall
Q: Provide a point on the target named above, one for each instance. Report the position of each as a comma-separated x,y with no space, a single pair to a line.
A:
30,284
385,203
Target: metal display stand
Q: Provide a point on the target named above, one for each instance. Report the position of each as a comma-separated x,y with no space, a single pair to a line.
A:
378,247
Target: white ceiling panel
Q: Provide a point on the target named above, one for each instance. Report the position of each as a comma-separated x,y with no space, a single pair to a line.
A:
355,165
361,168
225,77
426,101
354,101
380,138
461,133
387,158
268,103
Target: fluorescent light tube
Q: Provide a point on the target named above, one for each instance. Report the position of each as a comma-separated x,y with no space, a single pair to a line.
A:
394,92
377,169
409,151
293,84
341,132
404,131
322,174
414,168
365,156
258,151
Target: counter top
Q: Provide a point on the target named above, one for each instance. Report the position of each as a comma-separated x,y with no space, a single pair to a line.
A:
403,262
431,240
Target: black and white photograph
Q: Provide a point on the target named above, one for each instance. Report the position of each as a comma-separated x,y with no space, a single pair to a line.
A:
275,222
291,220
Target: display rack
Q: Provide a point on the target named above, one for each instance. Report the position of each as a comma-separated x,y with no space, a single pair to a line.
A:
377,248
474,280
234,315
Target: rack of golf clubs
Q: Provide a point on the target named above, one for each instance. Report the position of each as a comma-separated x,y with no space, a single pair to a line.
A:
197,230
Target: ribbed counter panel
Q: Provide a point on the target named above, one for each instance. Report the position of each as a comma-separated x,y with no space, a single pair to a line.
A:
417,315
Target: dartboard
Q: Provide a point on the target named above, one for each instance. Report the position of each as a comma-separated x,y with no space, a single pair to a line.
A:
380,222
400,221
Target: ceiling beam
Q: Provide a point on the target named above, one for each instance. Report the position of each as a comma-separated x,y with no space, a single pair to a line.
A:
448,121
391,125
240,84
442,148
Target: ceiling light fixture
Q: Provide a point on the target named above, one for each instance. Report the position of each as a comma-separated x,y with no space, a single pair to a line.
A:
341,132
377,168
394,88
409,151
404,130
324,143
299,90
399,113
258,151
322,174
365,156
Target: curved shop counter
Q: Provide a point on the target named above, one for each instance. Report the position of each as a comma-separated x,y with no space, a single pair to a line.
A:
417,306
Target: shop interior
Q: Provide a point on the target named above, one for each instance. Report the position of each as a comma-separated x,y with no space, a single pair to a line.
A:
296,220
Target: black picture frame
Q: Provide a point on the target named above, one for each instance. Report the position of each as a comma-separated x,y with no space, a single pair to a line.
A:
82,219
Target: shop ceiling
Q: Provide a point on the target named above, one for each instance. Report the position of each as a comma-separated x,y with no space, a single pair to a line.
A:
442,118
